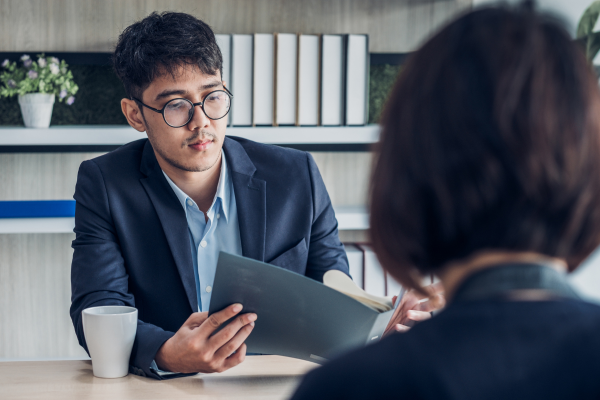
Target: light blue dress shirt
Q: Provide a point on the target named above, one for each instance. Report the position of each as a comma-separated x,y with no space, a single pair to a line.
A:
207,238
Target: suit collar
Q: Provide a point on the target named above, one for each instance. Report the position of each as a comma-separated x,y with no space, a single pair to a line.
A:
251,199
173,221
149,163
237,158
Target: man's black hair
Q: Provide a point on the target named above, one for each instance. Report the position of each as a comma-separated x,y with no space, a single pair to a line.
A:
159,44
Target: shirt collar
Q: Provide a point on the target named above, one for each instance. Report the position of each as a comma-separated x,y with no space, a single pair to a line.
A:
223,189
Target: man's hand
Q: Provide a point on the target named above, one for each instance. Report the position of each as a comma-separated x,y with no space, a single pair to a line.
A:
194,347
415,307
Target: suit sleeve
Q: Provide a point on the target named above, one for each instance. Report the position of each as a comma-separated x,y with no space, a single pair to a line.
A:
98,272
325,250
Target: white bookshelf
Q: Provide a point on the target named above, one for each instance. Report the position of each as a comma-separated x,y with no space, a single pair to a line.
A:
349,218
99,135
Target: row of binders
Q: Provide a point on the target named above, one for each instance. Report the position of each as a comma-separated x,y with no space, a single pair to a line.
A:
296,79
367,273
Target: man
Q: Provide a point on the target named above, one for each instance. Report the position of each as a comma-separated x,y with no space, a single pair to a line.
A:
152,216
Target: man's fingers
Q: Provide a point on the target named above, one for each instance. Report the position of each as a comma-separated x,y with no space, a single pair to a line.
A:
235,359
434,303
435,288
401,328
236,341
432,290
219,339
396,318
213,322
415,315
195,320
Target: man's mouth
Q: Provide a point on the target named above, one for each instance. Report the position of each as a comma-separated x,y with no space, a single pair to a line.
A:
201,145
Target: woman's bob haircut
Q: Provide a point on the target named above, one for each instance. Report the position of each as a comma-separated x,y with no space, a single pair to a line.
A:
490,142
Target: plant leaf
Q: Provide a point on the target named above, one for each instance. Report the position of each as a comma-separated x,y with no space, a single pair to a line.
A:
593,45
588,19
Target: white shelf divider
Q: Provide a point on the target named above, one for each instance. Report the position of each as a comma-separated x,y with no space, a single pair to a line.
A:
349,218
118,135
352,218
37,225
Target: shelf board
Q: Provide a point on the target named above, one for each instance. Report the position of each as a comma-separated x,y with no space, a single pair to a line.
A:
37,225
352,218
349,218
105,138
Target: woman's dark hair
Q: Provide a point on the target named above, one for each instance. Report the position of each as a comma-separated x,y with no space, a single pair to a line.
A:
490,141
159,44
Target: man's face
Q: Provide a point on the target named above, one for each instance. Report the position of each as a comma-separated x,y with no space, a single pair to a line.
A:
196,146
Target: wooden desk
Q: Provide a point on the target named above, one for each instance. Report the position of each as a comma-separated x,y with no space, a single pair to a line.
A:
258,377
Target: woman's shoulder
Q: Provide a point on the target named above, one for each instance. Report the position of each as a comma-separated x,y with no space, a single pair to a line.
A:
370,372
401,363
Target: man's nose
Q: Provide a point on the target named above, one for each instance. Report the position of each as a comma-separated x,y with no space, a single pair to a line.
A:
199,119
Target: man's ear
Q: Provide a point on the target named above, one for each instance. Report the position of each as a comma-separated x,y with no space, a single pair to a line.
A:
224,83
133,114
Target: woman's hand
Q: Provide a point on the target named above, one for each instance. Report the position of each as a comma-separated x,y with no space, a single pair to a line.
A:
415,307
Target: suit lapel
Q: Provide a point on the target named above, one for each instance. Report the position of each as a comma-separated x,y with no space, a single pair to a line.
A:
173,221
251,199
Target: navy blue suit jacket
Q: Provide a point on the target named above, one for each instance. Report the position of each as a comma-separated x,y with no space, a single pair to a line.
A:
132,245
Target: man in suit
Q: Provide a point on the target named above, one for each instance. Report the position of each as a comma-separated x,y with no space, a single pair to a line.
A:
152,216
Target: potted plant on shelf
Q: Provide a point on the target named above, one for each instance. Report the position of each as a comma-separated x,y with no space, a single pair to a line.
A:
586,34
37,83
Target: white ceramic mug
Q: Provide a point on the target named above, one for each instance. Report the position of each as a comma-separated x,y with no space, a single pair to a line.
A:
109,333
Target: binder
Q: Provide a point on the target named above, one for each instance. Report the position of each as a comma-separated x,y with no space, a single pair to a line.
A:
357,79
374,275
332,80
241,79
224,43
297,316
264,62
355,262
392,286
308,80
286,68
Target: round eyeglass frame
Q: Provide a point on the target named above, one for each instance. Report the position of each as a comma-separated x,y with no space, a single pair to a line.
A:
194,105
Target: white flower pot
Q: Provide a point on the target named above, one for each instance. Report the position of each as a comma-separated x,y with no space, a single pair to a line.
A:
36,109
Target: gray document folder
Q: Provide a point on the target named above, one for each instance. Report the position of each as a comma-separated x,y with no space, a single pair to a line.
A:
297,316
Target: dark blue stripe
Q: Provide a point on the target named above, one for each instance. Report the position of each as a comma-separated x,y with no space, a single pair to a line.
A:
37,209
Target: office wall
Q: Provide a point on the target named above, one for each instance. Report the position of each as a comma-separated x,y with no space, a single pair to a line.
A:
35,296
90,25
570,11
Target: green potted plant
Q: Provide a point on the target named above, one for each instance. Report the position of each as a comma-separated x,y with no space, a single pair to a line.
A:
37,83
585,31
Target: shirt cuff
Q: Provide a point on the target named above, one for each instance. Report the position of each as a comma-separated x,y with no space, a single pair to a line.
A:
160,372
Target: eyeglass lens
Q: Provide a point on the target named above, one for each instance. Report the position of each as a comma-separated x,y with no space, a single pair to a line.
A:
178,112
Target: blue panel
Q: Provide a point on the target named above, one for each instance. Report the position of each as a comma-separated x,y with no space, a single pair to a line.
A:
37,209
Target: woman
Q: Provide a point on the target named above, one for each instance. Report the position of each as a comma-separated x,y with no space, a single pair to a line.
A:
488,176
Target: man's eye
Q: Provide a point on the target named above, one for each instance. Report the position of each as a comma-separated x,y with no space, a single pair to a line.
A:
175,105
214,97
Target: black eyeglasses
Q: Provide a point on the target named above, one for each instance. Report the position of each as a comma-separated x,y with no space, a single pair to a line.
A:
179,112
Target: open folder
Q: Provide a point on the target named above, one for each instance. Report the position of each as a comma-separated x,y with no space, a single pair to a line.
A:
297,316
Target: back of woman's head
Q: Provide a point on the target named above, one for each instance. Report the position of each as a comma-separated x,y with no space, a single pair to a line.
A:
490,141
